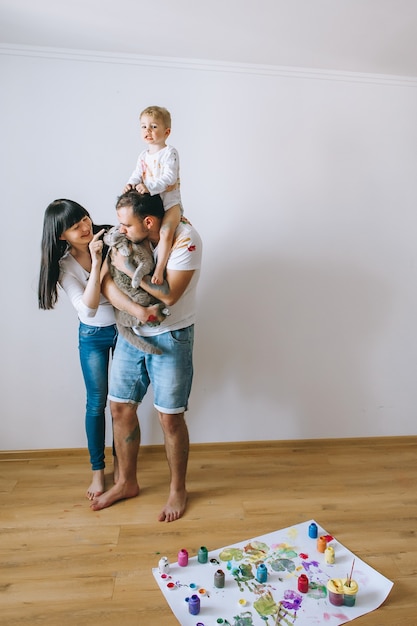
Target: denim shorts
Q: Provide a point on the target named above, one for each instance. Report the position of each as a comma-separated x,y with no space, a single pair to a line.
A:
169,373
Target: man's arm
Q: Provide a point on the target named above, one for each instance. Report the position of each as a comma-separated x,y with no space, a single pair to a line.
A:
172,288
122,301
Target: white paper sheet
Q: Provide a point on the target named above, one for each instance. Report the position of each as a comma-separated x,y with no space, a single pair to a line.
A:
244,601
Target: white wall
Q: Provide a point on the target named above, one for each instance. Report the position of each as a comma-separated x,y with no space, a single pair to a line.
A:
303,187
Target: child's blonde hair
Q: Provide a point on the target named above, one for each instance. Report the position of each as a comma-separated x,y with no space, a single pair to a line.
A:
158,113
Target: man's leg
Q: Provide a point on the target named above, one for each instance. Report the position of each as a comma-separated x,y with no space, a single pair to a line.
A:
126,433
177,448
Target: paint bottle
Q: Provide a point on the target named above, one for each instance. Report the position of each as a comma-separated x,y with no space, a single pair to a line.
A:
321,544
335,589
312,531
194,605
219,579
183,557
163,565
261,573
202,555
302,583
350,589
329,557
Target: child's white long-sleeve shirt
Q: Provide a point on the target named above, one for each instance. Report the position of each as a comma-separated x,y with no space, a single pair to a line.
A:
158,171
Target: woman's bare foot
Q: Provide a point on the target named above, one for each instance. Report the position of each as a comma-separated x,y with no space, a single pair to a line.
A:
97,485
119,491
175,506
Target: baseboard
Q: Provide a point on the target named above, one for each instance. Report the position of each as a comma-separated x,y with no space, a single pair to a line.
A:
230,446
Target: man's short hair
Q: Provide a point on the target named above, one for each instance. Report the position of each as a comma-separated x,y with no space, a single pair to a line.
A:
142,204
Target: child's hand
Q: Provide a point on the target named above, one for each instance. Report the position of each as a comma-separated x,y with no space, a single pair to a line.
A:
141,188
127,188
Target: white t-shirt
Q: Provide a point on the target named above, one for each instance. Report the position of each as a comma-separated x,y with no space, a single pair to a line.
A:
158,171
73,280
185,254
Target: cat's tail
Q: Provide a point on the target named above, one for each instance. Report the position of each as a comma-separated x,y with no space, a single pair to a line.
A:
139,342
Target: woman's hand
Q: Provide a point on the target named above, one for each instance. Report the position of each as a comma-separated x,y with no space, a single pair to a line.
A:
96,247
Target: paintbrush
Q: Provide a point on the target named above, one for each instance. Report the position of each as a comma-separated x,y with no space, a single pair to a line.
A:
349,578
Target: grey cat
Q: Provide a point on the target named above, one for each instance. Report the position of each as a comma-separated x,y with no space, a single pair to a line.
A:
140,260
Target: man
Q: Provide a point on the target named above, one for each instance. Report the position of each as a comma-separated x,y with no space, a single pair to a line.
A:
170,373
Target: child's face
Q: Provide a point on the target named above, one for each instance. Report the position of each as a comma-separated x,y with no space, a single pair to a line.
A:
154,132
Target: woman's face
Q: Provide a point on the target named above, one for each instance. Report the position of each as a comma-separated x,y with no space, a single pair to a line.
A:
80,234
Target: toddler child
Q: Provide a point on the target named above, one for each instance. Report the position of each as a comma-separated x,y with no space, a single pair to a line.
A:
157,171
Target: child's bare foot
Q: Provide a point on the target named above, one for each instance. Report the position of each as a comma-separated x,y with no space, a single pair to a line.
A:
97,485
175,506
157,278
119,491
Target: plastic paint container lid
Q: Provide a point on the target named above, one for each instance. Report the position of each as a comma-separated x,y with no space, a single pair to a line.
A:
334,585
350,590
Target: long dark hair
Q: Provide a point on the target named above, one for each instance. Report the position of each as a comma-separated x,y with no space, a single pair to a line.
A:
59,216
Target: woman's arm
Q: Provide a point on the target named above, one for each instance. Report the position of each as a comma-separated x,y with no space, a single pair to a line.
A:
91,295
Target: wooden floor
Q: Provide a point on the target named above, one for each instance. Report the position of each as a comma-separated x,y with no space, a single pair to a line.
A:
62,563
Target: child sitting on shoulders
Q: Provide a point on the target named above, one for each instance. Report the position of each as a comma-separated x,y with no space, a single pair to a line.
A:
157,172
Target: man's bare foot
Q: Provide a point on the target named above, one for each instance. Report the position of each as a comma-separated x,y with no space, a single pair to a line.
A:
115,469
97,485
175,507
119,491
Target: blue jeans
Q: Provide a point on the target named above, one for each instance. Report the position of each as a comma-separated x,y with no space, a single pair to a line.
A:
95,345
170,373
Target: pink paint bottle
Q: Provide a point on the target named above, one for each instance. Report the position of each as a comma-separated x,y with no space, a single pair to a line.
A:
183,557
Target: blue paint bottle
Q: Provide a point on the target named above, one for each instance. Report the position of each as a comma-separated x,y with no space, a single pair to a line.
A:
312,531
261,573
194,605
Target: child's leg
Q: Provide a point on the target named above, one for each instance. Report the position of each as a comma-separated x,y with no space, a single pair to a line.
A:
169,224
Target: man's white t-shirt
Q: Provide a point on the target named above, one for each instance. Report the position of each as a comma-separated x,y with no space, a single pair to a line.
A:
185,254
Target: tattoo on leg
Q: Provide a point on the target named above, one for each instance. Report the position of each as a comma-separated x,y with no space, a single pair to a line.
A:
134,435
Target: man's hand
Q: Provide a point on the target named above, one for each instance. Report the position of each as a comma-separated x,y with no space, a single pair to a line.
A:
152,315
121,263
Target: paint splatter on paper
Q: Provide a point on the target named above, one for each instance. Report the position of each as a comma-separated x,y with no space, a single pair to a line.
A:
245,601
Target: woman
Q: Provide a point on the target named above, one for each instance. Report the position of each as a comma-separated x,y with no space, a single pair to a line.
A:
72,256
